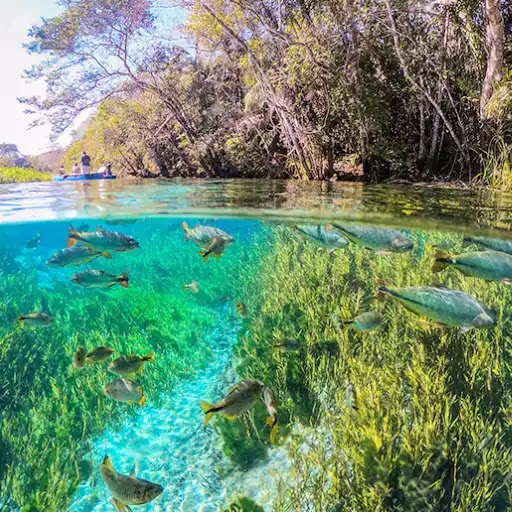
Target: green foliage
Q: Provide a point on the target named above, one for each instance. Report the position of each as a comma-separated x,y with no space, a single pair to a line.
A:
21,175
432,426
244,504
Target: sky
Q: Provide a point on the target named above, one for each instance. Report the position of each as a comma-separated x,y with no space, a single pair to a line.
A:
17,17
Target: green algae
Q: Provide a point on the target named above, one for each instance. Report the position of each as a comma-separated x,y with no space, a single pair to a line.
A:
432,430
51,412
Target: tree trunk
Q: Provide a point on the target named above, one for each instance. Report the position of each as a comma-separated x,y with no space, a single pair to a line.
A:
495,40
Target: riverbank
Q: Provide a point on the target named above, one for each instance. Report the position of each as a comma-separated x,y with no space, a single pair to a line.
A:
21,175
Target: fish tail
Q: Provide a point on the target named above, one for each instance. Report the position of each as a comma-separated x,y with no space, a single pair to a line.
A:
142,400
272,423
347,322
107,255
150,357
20,321
205,255
209,411
187,230
124,279
120,506
72,236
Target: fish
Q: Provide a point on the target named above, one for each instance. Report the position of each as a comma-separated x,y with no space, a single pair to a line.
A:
102,240
124,390
494,244
36,320
193,287
126,365
33,242
488,265
323,237
443,305
121,222
75,255
272,420
128,489
238,401
351,396
382,240
83,227
79,358
203,236
367,321
288,345
215,249
99,354
240,307
100,279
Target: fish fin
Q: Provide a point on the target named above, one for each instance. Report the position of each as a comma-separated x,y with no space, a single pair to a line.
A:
384,292
100,229
73,237
130,402
218,256
120,506
465,329
347,322
204,255
507,280
209,410
229,417
329,227
134,470
150,357
232,388
443,259
107,462
107,255
272,423
142,400
124,279
187,230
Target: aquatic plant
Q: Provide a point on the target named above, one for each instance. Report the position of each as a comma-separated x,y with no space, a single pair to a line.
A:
431,430
52,412
22,175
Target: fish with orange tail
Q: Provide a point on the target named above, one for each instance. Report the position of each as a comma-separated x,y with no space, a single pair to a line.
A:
211,241
102,240
127,489
100,279
238,401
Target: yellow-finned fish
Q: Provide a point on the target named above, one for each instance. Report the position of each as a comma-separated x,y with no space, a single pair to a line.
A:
240,307
203,236
383,240
33,242
193,287
36,320
488,265
239,400
443,305
100,279
75,255
367,321
126,365
99,354
271,403
215,249
124,390
288,345
79,358
102,240
128,489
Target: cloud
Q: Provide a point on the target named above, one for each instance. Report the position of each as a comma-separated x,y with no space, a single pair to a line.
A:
16,19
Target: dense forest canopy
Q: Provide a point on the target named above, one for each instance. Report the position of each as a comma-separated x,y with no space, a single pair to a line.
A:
315,89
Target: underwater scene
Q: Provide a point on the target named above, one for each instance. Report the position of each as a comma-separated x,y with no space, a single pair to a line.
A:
194,363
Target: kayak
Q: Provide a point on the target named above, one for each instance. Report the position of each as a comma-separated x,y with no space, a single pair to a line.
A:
84,177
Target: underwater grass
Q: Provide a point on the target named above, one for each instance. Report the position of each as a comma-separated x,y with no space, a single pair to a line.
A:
51,412
432,430
21,175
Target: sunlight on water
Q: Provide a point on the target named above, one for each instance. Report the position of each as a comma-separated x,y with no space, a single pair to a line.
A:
379,359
